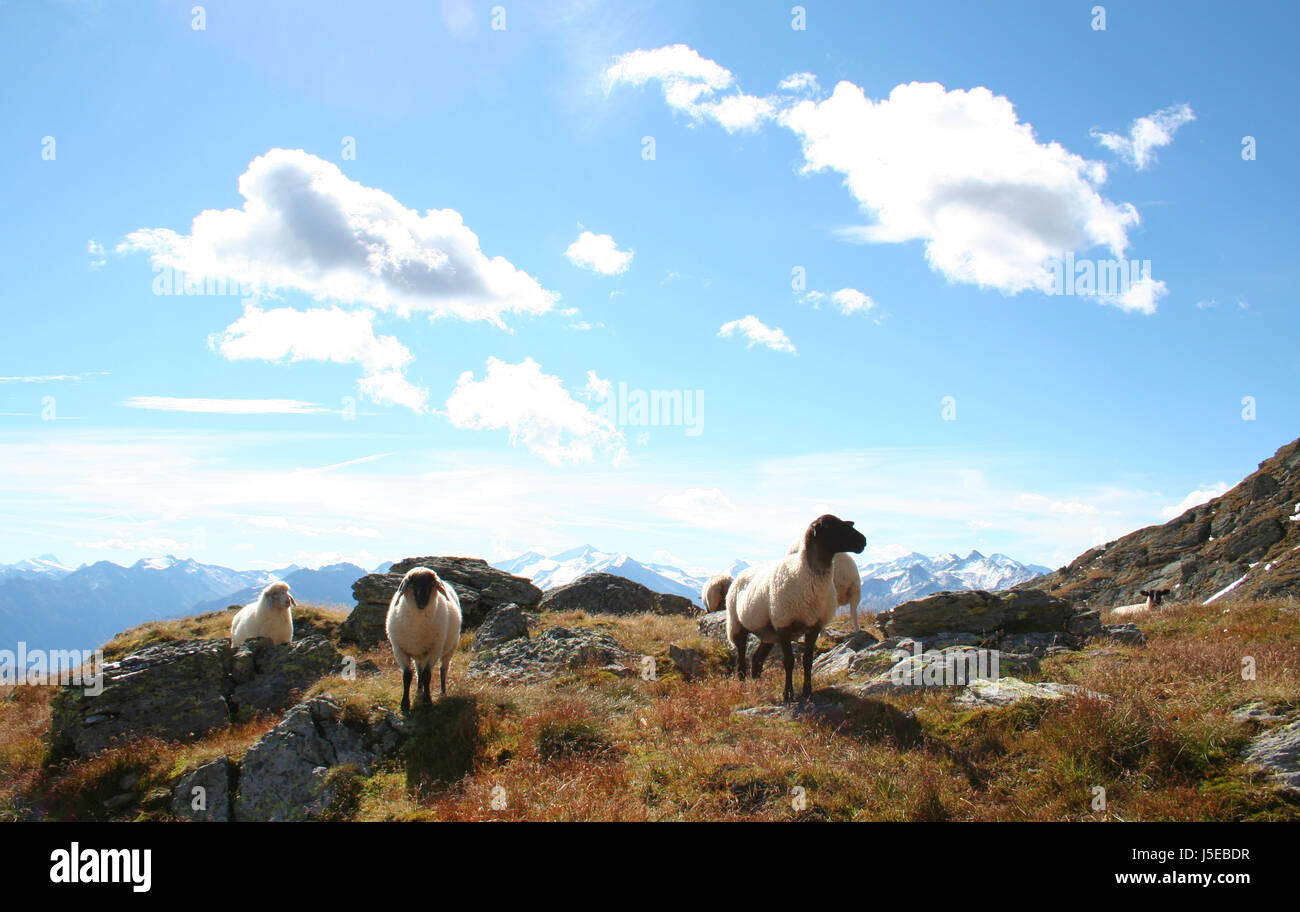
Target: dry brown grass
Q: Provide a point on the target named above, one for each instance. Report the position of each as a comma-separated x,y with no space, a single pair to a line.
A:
593,746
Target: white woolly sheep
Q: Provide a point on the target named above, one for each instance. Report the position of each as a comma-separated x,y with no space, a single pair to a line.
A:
271,616
1129,610
423,626
795,595
1154,597
848,583
715,591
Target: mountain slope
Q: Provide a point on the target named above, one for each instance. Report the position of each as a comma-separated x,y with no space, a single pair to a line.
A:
46,565
83,608
326,586
1247,538
884,584
912,576
567,566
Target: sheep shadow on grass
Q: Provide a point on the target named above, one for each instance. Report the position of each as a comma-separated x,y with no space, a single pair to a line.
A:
442,743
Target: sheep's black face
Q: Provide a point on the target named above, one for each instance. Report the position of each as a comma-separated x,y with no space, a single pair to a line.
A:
830,535
421,587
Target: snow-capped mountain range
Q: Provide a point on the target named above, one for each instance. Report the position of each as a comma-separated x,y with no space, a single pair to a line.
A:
46,565
884,583
889,583
51,606
47,604
547,572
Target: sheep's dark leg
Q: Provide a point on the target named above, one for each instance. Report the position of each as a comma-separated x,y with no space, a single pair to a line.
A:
442,678
809,643
760,656
406,689
740,640
426,683
787,653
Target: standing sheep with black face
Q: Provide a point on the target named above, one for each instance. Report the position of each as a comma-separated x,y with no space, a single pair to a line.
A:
848,582
795,596
423,627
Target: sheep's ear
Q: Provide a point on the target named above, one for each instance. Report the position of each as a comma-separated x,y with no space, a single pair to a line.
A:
437,584
401,589
292,603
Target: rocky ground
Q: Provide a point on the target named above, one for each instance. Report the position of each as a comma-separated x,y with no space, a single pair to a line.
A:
609,702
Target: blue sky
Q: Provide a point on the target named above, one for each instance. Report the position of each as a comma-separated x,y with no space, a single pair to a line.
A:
456,242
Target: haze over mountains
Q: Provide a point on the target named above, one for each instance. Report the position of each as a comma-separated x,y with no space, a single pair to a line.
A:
1247,540
48,605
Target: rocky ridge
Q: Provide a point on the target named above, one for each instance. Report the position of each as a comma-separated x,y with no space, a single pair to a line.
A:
1248,538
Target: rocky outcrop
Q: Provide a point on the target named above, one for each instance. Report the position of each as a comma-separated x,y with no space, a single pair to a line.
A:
289,774
604,593
690,662
1249,532
714,625
502,624
1128,634
268,677
203,794
554,651
1278,753
176,691
955,666
181,691
847,711
976,611
481,588
981,693
956,639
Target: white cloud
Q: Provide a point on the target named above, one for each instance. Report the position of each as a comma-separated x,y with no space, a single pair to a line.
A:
851,301
96,251
1146,134
756,332
692,85
958,170
537,410
147,545
599,253
1039,503
705,508
847,300
955,169
53,378
1141,296
1194,499
69,486
306,226
739,112
799,82
224,406
281,524
325,334
597,388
